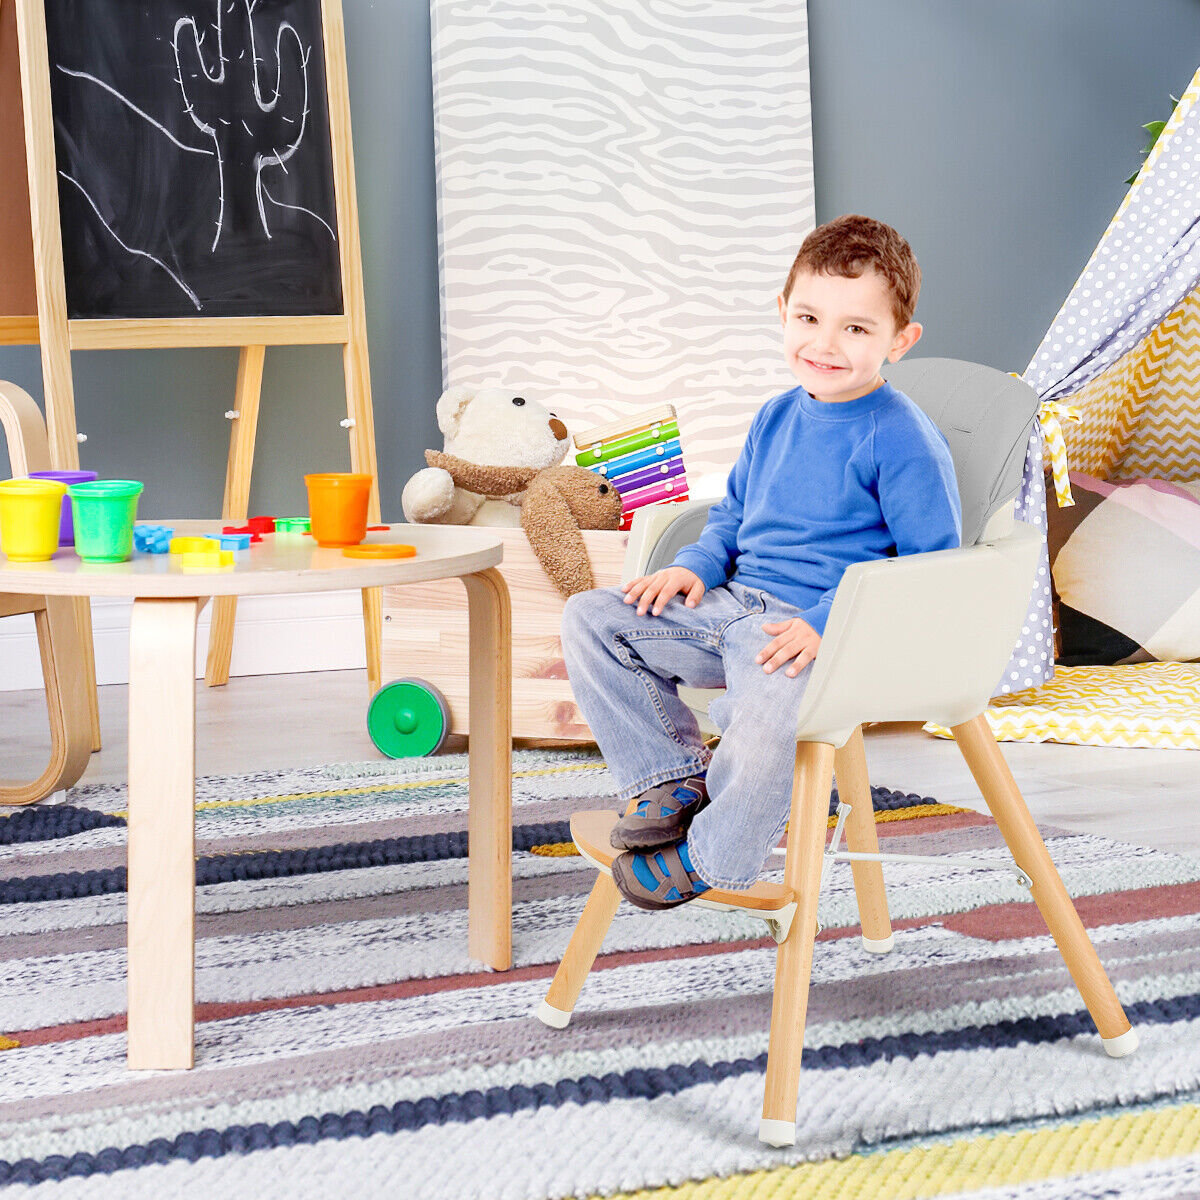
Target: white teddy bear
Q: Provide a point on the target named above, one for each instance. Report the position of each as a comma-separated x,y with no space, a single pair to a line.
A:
494,427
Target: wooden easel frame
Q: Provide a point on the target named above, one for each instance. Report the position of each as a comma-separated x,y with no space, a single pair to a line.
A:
58,336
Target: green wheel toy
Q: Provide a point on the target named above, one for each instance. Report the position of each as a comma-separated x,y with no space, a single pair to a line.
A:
408,718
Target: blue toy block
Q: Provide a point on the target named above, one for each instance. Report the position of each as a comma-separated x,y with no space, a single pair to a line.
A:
235,541
152,539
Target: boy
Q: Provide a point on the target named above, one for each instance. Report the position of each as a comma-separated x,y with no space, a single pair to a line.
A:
840,469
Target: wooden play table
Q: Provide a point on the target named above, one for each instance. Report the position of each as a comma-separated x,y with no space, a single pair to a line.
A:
162,736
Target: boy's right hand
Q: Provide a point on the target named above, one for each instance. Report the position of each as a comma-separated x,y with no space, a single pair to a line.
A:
658,588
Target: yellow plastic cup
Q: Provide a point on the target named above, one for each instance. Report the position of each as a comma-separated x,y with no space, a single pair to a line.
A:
30,512
337,504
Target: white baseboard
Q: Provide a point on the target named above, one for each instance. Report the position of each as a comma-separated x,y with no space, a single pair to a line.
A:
274,635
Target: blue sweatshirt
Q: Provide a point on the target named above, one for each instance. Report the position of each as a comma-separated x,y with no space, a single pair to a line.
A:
821,485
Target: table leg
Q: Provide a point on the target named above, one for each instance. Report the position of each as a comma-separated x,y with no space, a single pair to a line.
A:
162,866
489,823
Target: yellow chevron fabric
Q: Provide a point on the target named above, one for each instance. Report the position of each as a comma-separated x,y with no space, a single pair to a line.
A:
1165,443
1144,704
1141,417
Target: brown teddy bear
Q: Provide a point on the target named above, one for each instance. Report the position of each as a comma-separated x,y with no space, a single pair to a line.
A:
556,503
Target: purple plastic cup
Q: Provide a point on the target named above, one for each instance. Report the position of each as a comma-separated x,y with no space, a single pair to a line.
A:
66,528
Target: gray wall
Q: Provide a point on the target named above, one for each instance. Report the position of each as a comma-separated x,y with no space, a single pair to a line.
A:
994,133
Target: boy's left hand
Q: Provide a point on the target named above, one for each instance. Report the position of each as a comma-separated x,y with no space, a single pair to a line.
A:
794,639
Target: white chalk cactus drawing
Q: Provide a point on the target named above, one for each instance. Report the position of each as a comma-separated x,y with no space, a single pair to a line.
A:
270,126
235,97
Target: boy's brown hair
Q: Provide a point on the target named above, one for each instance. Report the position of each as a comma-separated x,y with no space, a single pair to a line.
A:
852,244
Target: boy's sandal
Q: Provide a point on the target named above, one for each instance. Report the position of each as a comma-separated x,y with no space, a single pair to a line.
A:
674,884
662,815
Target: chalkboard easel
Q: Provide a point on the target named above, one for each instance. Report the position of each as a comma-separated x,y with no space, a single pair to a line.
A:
190,183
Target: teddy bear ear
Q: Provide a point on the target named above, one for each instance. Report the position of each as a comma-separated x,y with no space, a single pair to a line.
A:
451,406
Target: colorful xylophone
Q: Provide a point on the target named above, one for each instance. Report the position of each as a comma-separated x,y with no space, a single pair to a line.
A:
641,456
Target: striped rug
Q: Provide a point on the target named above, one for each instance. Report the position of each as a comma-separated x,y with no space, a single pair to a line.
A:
346,1045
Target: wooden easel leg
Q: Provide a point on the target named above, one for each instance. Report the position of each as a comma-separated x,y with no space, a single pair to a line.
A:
489,822
854,787
52,330
372,605
793,965
978,745
162,867
87,660
235,506
362,459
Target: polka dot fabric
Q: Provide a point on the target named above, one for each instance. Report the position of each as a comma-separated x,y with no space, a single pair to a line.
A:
1032,662
1147,262
1144,266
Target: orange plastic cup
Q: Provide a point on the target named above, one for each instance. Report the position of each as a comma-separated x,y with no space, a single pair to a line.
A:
337,505
30,511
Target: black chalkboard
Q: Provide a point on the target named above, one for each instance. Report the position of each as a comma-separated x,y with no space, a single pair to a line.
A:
195,174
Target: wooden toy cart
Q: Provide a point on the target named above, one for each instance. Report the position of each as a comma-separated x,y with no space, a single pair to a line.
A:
424,636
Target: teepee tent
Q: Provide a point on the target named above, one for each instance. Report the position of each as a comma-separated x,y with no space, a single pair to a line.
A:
1119,370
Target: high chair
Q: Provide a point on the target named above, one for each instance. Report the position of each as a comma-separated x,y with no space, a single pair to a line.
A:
54,619
921,637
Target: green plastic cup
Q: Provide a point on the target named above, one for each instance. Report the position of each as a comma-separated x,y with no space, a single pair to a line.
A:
104,512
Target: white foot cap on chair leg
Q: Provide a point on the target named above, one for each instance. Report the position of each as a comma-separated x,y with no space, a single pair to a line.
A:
777,1133
1123,1044
554,1017
879,945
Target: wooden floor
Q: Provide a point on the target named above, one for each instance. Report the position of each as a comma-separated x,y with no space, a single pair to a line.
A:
1149,797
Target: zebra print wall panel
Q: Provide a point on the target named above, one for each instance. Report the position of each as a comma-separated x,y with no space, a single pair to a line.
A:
622,185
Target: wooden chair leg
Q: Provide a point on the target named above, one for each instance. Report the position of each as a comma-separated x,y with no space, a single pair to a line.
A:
854,787
793,967
978,745
581,952
66,703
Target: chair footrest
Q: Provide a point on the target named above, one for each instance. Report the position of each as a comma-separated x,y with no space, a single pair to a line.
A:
591,832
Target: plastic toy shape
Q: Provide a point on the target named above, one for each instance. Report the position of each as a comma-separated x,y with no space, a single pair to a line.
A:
206,560
254,537
194,545
152,539
394,550
292,524
235,541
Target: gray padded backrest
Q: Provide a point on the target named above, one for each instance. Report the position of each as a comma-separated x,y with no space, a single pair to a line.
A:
986,416
682,531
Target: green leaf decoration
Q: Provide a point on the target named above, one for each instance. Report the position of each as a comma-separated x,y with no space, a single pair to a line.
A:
1154,129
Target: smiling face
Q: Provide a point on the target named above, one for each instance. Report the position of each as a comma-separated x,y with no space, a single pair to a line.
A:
838,332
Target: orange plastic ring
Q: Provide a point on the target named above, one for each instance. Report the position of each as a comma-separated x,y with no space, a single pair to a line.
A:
370,550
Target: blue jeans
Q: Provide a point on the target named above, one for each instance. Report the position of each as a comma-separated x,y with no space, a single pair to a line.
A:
625,671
